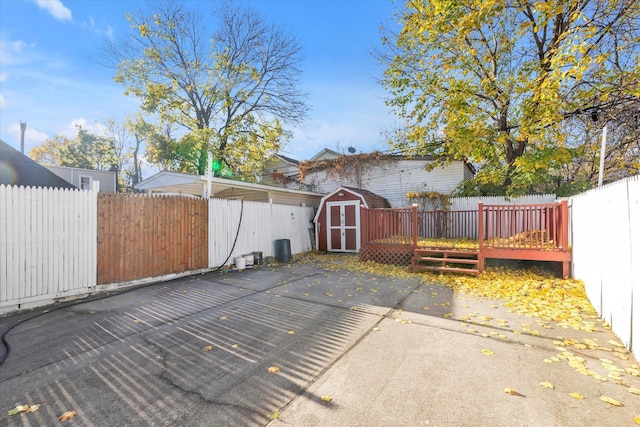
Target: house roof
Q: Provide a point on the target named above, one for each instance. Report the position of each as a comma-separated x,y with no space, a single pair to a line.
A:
286,159
176,182
324,154
18,169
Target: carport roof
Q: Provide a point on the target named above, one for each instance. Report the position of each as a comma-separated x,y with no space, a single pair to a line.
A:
182,183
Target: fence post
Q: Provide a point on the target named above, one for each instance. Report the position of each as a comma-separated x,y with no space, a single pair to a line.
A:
415,225
364,225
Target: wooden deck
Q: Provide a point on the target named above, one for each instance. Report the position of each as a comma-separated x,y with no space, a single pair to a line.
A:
522,232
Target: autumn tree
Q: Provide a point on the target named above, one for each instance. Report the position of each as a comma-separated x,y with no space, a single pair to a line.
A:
498,82
86,150
231,90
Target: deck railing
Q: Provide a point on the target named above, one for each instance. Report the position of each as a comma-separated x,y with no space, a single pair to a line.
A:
448,224
388,226
538,226
535,226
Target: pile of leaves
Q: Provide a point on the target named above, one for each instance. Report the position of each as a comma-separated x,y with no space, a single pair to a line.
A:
468,244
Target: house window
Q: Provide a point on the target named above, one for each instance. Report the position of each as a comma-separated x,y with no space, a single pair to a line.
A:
85,182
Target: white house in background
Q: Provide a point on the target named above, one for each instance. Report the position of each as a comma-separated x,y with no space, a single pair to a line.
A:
84,178
388,176
279,169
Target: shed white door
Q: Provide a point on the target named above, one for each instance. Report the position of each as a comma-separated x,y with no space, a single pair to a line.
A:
343,231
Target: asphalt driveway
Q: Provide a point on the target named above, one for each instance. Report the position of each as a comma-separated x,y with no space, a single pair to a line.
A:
190,352
274,344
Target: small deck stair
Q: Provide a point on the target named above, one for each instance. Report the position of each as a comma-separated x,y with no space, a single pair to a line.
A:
445,260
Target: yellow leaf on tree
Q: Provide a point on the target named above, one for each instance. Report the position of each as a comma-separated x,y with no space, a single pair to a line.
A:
67,415
610,401
546,384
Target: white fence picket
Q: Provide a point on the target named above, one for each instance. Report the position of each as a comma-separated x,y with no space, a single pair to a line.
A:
48,247
605,235
471,203
261,224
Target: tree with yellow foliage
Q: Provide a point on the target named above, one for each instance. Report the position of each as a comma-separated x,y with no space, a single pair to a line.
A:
229,89
497,82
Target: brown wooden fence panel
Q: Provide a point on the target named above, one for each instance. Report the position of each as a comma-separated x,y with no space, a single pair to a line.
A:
142,236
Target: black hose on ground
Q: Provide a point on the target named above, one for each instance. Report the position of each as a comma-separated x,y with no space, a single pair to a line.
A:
5,341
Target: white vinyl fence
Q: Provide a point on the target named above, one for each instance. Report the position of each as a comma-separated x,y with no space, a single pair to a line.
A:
254,227
606,254
471,203
48,240
47,245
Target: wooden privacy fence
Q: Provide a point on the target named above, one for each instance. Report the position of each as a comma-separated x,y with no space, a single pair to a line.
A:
143,236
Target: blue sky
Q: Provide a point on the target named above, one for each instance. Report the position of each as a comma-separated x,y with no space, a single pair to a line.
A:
48,79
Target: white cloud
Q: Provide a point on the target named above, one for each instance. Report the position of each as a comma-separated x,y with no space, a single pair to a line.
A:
71,129
12,53
101,29
55,8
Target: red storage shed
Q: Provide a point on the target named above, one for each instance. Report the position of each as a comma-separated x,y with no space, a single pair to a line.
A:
338,218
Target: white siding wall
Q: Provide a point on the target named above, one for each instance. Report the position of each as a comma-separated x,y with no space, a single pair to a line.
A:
47,245
394,179
606,254
261,225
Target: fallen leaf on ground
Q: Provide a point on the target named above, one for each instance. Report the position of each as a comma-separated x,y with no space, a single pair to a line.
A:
615,343
326,398
512,392
637,420
546,384
67,415
273,370
487,352
234,346
207,348
576,395
633,390
291,332
610,401
20,408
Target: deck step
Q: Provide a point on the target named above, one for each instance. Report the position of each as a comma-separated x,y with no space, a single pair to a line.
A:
445,260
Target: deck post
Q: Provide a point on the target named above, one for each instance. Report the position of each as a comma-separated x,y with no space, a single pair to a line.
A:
564,225
480,237
415,225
